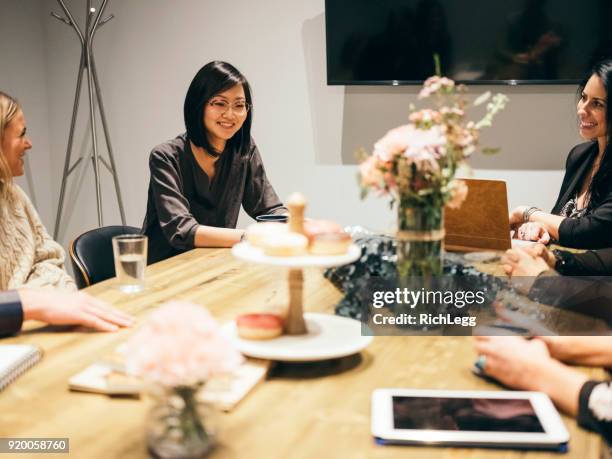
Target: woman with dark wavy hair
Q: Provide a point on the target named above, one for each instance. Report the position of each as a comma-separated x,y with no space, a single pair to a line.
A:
200,179
582,215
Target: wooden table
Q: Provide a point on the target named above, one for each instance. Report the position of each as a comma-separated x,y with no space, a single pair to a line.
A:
313,410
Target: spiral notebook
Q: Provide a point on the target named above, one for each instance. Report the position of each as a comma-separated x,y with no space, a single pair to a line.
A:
223,391
16,359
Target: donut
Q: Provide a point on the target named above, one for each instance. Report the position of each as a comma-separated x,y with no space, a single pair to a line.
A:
259,326
330,244
257,232
313,228
284,245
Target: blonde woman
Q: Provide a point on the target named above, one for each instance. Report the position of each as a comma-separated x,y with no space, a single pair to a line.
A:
30,261
28,256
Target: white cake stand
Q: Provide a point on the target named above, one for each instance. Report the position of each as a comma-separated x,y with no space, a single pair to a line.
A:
308,336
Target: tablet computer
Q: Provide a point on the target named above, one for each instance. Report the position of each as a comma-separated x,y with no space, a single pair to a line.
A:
494,419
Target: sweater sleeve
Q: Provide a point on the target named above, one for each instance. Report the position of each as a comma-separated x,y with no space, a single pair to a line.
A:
175,218
259,195
11,313
48,268
595,408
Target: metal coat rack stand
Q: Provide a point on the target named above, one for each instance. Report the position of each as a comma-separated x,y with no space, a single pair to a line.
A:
93,21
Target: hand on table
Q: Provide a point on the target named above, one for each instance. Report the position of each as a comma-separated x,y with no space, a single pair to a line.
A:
516,216
539,250
532,231
527,364
78,308
512,360
581,350
519,262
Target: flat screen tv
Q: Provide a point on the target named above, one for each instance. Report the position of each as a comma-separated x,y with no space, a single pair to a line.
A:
477,41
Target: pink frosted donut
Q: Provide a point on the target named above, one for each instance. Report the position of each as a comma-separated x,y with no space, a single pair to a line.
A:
313,228
259,326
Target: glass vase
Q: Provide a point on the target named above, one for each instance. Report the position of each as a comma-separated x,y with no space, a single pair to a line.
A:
419,242
176,425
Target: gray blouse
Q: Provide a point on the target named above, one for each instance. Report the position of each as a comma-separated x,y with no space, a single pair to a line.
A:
181,196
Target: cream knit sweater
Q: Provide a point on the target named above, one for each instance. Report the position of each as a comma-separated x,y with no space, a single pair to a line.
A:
28,255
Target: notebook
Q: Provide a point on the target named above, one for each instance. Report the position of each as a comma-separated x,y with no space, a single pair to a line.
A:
481,223
224,392
15,359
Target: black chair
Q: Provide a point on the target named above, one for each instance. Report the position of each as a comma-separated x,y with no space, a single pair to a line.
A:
91,254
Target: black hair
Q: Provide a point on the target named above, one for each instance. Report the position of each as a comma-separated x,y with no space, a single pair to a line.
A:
212,79
602,180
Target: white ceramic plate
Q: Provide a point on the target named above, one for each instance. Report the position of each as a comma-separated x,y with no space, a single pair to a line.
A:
520,244
328,337
246,252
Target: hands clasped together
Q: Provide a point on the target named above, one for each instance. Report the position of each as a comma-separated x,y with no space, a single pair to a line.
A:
527,231
530,261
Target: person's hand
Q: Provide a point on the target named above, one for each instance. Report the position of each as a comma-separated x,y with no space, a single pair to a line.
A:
78,308
519,262
516,216
533,231
582,350
512,360
539,250
527,364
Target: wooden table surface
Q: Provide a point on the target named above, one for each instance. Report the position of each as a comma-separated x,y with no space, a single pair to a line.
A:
309,410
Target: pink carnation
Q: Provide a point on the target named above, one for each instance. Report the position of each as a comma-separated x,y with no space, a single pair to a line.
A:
432,139
393,144
407,139
425,117
452,112
434,84
371,175
180,344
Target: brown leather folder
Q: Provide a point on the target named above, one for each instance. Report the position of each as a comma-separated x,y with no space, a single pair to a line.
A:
481,223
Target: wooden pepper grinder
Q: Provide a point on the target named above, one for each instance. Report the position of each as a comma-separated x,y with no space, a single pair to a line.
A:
295,318
296,205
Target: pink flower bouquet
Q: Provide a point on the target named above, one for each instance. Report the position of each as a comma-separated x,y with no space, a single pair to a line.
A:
416,163
180,344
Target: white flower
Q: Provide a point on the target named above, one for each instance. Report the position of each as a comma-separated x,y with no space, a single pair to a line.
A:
482,98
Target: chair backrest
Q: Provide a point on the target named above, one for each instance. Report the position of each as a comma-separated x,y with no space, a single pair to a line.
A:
91,254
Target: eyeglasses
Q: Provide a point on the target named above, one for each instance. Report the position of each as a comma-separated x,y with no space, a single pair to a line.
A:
240,107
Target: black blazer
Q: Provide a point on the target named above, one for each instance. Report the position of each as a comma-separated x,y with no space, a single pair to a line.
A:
594,230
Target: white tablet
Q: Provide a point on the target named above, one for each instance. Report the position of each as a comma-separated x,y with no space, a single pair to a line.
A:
497,419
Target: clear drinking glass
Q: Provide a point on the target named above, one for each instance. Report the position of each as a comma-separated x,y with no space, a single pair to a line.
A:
130,252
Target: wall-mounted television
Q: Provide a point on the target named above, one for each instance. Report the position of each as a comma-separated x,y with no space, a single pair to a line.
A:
478,41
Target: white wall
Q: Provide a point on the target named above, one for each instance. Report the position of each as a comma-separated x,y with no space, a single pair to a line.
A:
306,130
23,75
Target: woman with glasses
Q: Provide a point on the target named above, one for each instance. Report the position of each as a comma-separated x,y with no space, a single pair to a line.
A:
200,179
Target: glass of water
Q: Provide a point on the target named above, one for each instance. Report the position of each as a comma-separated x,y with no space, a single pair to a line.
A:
130,252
